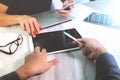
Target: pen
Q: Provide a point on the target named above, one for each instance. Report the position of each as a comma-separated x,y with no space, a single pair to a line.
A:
70,36
35,32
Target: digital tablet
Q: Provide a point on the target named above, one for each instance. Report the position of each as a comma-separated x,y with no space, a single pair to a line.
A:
55,41
103,19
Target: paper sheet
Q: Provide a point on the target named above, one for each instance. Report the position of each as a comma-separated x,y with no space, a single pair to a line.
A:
9,63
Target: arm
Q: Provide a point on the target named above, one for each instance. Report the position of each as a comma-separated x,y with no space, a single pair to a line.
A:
27,23
5,19
107,68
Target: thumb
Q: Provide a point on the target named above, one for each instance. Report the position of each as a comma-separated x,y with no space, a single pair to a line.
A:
66,2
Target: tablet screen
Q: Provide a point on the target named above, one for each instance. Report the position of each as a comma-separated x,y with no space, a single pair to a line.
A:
56,41
103,19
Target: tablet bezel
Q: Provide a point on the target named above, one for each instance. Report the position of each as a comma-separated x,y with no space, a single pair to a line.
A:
31,45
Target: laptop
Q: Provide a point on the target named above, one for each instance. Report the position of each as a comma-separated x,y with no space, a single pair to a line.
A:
50,18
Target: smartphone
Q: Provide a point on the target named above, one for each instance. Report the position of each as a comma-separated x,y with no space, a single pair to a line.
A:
67,7
103,19
56,41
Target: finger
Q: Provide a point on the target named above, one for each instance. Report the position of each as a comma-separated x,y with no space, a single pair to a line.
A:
91,56
31,27
37,26
27,26
37,49
64,15
66,2
91,59
44,50
77,42
71,7
86,51
74,42
52,62
64,11
44,53
22,25
83,42
85,54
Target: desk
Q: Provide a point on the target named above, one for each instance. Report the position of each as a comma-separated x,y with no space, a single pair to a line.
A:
72,65
107,6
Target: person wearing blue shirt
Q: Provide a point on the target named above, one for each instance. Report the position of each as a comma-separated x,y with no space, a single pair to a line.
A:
36,63
106,66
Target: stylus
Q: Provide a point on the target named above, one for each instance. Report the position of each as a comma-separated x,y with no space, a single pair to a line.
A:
70,36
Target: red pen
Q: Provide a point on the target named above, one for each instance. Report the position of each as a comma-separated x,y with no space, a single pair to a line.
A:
35,32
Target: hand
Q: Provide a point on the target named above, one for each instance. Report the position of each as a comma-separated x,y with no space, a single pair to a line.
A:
29,24
91,48
35,63
66,12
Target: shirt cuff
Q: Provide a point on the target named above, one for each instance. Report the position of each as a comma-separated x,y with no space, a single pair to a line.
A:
10,76
106,62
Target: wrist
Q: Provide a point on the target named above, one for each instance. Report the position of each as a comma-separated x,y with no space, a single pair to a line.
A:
100,52
22,18
23,73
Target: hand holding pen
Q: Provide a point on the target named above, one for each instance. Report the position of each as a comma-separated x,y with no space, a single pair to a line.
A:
29,24
91,48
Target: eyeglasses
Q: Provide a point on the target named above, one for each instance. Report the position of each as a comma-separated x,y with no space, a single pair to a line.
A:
13,45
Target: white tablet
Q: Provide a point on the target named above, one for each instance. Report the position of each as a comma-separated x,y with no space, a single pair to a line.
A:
104,20
55,41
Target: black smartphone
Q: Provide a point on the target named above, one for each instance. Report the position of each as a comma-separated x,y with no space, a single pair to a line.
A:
56,41
102,19
67,7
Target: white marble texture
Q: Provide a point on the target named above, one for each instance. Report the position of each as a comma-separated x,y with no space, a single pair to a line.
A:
71,66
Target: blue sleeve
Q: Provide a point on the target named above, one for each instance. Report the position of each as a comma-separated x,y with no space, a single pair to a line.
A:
10,76
107,68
